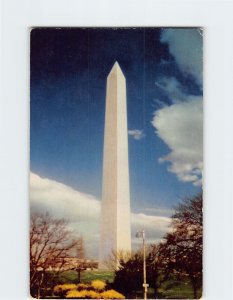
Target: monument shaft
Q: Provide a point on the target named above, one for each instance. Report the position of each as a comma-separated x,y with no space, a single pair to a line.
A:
115,211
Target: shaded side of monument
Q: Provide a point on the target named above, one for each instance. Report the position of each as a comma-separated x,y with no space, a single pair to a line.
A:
115,232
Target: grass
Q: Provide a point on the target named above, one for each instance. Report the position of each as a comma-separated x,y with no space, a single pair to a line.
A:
171,289
86,276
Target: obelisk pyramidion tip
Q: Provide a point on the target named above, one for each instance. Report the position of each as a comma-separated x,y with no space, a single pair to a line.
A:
116,69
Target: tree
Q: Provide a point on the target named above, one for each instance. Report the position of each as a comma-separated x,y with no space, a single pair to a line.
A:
181,253
129,275
154,268
128,278
51,243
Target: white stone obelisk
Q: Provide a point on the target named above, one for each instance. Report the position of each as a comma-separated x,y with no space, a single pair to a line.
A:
115,232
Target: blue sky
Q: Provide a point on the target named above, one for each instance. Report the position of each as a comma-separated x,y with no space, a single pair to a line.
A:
163,70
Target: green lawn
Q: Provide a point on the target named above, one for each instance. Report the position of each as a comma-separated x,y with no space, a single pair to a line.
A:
86,276
177,290
171,289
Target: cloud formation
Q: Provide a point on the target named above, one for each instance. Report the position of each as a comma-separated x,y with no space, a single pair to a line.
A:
186,46
61,201
83,212
160,211
172,87
155,226
136,134
180,127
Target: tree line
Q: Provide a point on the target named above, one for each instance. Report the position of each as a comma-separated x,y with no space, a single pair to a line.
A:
178,255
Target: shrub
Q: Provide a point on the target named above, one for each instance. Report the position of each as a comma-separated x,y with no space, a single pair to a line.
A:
82,286
95,290
62,289
93,295
83,294
75,294
111,294
98,285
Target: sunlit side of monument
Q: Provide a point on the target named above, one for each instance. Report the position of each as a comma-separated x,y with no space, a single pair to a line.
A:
115,233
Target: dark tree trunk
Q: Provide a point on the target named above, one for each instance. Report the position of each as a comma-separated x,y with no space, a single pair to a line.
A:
195,292
155,289
79,275
194,285
40,284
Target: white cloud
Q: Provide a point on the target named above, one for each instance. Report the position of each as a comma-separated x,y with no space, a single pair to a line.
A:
136,134
186,46
172,87
83,211
154,226
60,200
180,126
160,211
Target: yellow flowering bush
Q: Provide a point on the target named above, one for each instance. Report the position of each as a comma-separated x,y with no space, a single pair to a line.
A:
92,295
83,294
82,286
61,288
75,294
111,294
98,284
95,290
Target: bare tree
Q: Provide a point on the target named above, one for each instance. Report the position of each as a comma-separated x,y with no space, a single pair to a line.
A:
51,243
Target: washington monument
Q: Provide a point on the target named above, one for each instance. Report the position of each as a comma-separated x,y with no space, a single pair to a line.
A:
115,233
